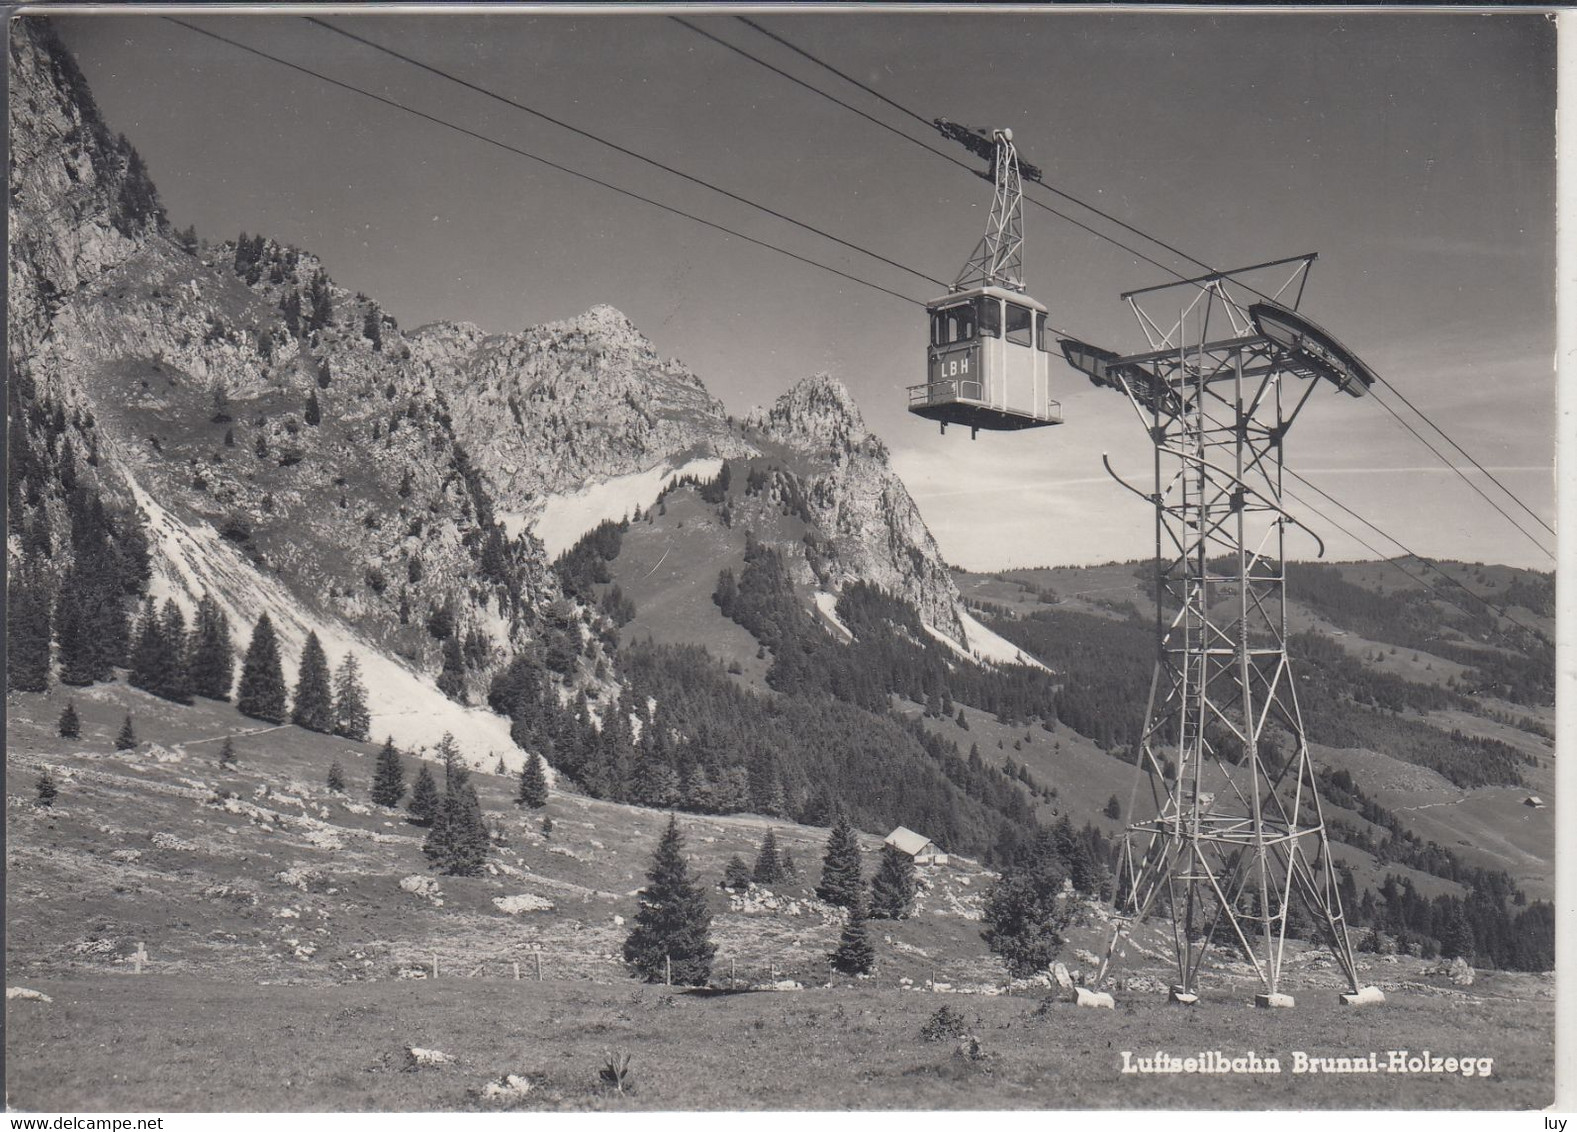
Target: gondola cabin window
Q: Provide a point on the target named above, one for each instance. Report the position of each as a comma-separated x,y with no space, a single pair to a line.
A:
952,325
1021,327
990,316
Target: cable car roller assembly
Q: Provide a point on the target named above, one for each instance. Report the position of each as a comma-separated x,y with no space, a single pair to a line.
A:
1235,838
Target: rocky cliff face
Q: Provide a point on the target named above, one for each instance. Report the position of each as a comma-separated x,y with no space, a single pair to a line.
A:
869,526
242,390
68,177
549,408
365,470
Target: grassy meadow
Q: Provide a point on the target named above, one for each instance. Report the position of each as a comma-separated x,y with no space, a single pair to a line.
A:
180,1043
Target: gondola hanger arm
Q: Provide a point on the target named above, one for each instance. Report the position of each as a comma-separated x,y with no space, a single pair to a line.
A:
1107,461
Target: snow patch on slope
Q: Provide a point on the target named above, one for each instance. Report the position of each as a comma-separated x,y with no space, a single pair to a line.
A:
189,560
827,605
984,646
994,648
563,519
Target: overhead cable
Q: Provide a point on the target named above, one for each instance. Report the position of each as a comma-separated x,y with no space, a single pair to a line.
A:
397,105
507,101
1391,559
964,165
803,53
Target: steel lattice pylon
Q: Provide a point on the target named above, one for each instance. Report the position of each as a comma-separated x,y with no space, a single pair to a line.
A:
1237,840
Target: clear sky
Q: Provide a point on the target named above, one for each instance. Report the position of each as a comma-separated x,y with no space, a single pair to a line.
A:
1412,150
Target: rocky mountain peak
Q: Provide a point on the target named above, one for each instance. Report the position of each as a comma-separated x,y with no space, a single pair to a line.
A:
603,328
818,414
603,319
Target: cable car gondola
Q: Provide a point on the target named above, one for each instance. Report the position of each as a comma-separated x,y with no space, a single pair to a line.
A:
988,360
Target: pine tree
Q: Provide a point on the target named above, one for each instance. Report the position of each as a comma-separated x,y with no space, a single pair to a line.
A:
1026,914
458,841
69,727
533,790
451,680
894,886
424,798
388,780
351,719
322,301
769,867
314,702
313,413
855,955
127,739
47,791
1114,808
149,655
261,693
1457,937
109,561
227,752
673,926
336,778
736,874
177,682
27,631
841,883
211,659
766,788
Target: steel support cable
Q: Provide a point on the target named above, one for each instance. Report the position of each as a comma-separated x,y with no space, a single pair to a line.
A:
540,160
1156,240
1422,416
1069,197
507,101
964,165
1430,562
1392,562
1464,477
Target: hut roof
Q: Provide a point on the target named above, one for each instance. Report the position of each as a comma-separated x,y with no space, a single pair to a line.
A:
907,840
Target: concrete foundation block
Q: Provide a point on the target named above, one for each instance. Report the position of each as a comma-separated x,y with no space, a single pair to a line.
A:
1084,996
1182,997
1363,997
1273,1001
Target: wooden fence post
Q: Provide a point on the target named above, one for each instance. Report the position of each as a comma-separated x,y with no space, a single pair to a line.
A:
517,970
435,964
539,966
668,971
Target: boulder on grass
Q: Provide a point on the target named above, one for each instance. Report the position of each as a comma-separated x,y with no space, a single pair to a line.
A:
507,1087
1084,996
425,1058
